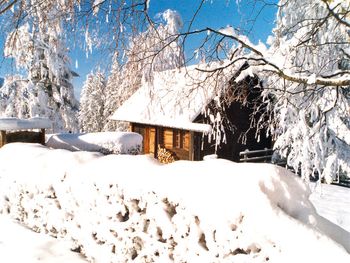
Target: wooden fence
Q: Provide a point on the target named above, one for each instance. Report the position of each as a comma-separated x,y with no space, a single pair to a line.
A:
256,156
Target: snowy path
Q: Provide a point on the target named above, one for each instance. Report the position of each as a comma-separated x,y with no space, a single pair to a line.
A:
19,244
333,203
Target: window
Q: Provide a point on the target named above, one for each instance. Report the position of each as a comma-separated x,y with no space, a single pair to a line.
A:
178,139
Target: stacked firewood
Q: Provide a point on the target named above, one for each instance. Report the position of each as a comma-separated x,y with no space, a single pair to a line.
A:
166,156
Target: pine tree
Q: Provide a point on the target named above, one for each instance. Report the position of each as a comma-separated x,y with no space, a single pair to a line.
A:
112,100
92,103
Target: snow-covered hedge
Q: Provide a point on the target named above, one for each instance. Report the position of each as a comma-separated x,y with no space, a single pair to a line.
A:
104,142
119,208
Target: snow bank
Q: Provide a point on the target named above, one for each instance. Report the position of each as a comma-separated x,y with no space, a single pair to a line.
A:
333,203
118,208
105,142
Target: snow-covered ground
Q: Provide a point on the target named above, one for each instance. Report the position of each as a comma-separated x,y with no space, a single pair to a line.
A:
20,244
333,203
119,208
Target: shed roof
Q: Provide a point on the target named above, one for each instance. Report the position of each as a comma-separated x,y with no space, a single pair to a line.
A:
174,98
24,124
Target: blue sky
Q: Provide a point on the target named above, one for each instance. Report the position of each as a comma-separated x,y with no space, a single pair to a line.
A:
214,13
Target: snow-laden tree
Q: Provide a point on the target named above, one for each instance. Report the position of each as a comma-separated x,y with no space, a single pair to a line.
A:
112,92
92,103
310,55
38,48
14,97
306,73
156,49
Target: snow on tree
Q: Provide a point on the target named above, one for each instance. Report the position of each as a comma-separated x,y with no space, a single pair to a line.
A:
113,95
306,73
14,97
38,48
156,49
311,116
92,102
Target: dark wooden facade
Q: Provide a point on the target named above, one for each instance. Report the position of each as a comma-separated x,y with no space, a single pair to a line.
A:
22,136
240,118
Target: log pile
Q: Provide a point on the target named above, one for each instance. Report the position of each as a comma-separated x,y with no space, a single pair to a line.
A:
166,156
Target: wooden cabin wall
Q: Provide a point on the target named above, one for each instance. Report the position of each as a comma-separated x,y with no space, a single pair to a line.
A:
175,140
22,136
148,134
166,138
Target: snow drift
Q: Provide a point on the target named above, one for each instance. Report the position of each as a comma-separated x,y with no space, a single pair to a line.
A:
104,142
119,208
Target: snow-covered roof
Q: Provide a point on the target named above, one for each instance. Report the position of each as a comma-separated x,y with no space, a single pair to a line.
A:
24,124
174,98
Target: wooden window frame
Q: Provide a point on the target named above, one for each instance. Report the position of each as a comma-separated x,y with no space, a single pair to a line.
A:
178,139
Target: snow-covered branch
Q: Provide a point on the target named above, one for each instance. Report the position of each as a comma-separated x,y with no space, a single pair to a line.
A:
5,6
340,19
311,80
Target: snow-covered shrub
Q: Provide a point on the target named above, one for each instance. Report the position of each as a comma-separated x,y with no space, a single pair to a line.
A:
103,142
120,208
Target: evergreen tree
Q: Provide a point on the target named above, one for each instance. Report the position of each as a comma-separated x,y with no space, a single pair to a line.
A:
112,98
92,103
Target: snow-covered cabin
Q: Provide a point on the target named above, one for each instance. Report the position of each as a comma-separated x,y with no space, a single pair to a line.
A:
178,112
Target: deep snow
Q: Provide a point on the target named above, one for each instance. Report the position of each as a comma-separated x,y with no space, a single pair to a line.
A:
330,201
333,203
104,142
120,207
20,244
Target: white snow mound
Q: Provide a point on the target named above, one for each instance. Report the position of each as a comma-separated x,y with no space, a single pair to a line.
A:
105,142
119,208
